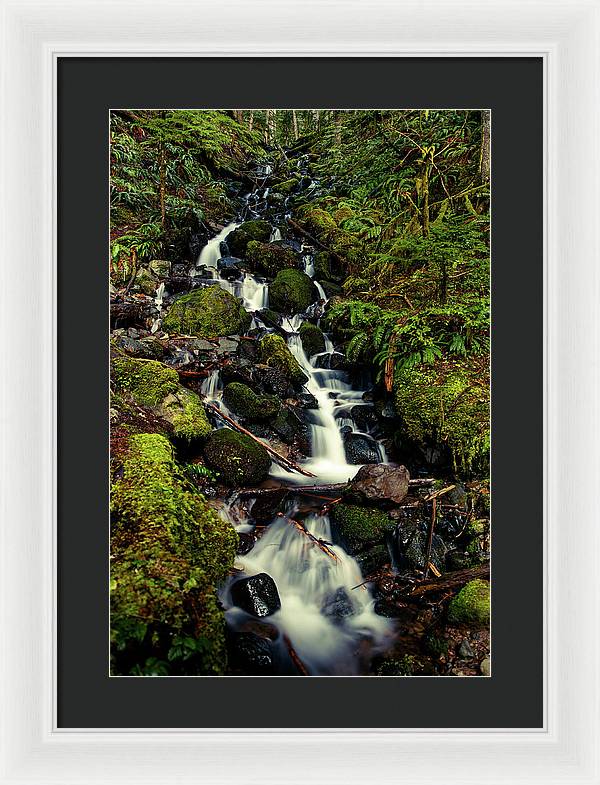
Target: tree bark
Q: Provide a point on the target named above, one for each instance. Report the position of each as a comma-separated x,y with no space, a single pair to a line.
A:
484,156
295,124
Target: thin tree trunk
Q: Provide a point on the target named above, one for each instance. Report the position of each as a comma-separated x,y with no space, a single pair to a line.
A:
484,157
251,121
162,184
295,124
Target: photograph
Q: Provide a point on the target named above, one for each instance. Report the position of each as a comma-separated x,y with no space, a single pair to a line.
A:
300,346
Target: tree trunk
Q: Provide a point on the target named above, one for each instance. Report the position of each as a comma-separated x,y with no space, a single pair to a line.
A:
484,156
162,184
295,124
425,192
251,121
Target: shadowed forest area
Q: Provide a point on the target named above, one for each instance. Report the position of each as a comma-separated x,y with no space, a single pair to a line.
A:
300,392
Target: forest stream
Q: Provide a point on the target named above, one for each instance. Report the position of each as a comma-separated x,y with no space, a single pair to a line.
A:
346,539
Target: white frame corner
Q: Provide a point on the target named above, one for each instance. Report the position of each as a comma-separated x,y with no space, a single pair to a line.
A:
566,34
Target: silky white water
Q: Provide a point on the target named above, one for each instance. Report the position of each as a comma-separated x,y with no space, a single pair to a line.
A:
312,584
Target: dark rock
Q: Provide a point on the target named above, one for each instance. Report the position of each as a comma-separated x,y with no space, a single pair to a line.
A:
358,528
307,400
313,340
230,267
361,448
381,483
274,380
290,427
251,655
239,459
292,291
270,318
364,416
257,595
270,258
409,548
246,543
338,606
372,559
464,651
237,371
265,508
338,362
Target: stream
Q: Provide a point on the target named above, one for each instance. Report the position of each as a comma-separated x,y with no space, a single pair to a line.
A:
326,615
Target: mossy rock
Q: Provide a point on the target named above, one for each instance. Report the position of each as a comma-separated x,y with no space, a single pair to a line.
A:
207,312
313,340
327,268
242,400
239,459
292,291
169,552
270,258
160,267
145,282
357,527
151,384
270,318
286,187
317,221
447,407
237,241
471,605
275,353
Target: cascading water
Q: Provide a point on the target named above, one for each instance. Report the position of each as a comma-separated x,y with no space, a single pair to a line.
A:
326,614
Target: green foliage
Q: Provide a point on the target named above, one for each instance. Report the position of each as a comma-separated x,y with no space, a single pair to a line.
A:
403,666
206,313
471,605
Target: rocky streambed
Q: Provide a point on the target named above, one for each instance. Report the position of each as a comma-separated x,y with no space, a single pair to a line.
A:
332,556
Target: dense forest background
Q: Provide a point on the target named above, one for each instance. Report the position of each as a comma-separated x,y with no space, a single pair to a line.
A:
398,211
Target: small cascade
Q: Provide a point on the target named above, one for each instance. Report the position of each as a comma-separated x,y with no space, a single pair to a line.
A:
275,235
158,301
325,612
211,253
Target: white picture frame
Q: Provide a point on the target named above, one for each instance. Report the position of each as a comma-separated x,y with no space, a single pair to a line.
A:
565,33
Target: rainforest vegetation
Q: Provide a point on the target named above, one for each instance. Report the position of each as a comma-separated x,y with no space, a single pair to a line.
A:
300,392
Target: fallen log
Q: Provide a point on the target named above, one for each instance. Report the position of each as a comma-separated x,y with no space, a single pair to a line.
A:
285,462
334,487
450,580
126,314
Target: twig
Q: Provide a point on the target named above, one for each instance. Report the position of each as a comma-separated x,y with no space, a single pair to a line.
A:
295,658
319,543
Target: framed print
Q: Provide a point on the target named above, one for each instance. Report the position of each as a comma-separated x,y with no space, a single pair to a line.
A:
253,474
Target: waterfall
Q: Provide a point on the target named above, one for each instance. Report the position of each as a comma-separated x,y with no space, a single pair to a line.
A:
310,582
211,253
275,235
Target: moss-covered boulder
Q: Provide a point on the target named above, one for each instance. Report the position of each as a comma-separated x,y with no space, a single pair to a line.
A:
270,258
242,400
145,282
207,312
169,551
151,384
275,353
313,340
358,527
286,187
270,318
471,605
327,268
292,291
238,458
446,407
238,240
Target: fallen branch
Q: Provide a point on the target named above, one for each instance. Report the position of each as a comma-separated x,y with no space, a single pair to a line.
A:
319,543
335,487
448,581
295,658
285,462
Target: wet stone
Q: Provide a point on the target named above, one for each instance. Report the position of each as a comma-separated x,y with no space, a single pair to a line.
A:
251,654
361,448
464,651
245,544
256,595
338,606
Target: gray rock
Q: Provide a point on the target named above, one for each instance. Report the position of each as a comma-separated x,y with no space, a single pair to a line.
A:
464,651
485,667
361,448
382,483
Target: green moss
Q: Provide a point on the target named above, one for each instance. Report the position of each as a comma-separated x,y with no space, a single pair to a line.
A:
238,240
269,258
286,186
471,605
357,527
238,458
313,340
317,221
169,551
292,291
447,407
153,385
244,401
275,353
404,666
207,312
147,381
187,415
145,281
